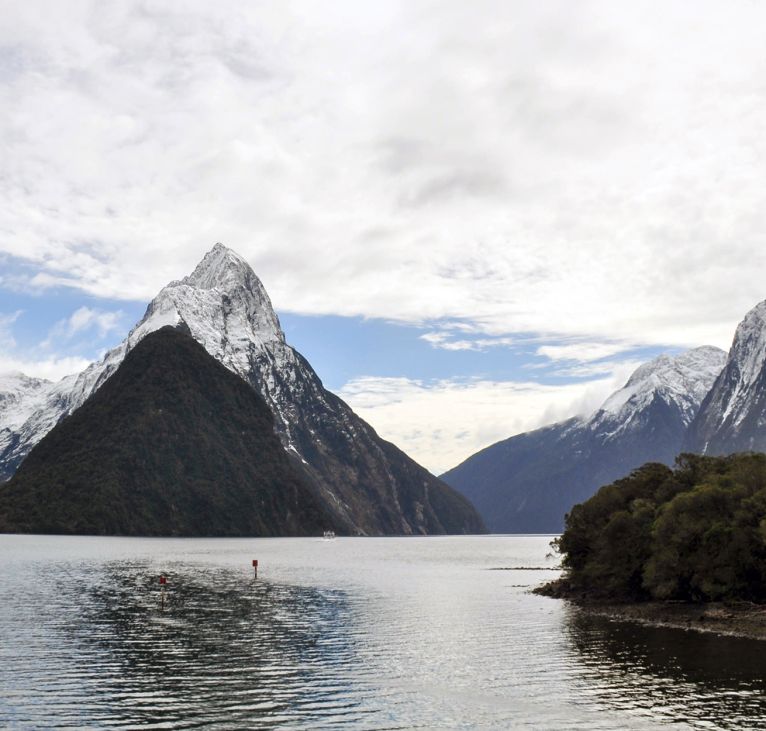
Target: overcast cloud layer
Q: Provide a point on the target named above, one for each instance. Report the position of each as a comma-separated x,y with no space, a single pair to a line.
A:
589,168
589,174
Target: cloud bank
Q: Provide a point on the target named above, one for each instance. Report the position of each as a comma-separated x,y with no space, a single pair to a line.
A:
589,169
442,423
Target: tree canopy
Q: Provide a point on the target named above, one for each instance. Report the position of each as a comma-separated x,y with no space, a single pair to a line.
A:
695,533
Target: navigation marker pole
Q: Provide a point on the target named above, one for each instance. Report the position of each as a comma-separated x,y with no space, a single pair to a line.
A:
255,568
163,581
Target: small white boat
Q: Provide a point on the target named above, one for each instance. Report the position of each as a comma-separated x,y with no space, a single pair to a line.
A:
329,535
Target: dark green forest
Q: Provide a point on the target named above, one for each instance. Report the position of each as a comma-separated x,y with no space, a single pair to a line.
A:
693,533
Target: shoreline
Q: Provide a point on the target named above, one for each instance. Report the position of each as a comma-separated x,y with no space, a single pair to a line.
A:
741,620
731,619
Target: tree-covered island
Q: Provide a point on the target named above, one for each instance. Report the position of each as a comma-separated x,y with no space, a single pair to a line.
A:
694,535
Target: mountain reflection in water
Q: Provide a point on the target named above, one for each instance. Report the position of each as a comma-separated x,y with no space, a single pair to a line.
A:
366,633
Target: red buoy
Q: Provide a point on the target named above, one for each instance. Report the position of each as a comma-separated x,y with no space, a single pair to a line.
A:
163,580
255,568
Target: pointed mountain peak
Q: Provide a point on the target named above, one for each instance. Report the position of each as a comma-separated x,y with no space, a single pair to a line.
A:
222,303
220,267
731,419
15,380
13,376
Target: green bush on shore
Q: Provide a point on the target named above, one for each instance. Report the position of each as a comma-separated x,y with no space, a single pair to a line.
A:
693,533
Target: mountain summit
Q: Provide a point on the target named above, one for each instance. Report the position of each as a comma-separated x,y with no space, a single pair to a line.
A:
234,291
678,383
527,483
368,484
732,416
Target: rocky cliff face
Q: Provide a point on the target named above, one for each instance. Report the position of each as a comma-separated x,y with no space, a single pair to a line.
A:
370,485
732,417
529,482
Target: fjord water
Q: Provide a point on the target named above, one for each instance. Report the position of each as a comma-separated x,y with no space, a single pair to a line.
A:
379,633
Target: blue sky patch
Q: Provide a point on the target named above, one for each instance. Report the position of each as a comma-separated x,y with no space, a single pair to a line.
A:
339,348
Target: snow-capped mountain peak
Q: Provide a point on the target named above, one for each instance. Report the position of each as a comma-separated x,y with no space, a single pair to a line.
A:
680,382
733,415
220,267
16,382
223,278
367,484
20,395
747,357
222,304
528,483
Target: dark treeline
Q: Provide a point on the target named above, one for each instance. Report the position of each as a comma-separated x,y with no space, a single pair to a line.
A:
694,533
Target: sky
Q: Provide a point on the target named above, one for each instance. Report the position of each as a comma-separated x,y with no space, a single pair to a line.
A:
472,218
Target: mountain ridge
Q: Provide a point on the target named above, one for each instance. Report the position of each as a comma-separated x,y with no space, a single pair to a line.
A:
528,482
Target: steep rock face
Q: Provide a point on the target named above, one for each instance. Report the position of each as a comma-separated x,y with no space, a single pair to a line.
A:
528,483
370,485
732,417
172,444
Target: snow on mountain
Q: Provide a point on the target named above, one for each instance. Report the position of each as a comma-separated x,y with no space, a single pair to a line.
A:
20,397
680,381
746,359
222,304
528,483
732,417
371,485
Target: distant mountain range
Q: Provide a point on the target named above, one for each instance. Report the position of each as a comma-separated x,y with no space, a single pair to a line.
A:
527,483
702,401
366,484
173,443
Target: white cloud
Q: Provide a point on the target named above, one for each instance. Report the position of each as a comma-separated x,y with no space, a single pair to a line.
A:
85,318
52,368
37,360
444,339
582,351
7,320
599,368
590,169
441,423
82,320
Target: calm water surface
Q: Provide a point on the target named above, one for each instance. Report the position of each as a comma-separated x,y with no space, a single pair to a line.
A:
355,632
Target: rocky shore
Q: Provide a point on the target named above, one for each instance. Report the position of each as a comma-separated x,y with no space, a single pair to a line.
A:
736,619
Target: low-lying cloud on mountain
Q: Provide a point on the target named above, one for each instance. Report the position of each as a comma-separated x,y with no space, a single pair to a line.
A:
441,423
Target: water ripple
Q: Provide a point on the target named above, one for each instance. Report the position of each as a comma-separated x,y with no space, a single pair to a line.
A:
368,634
